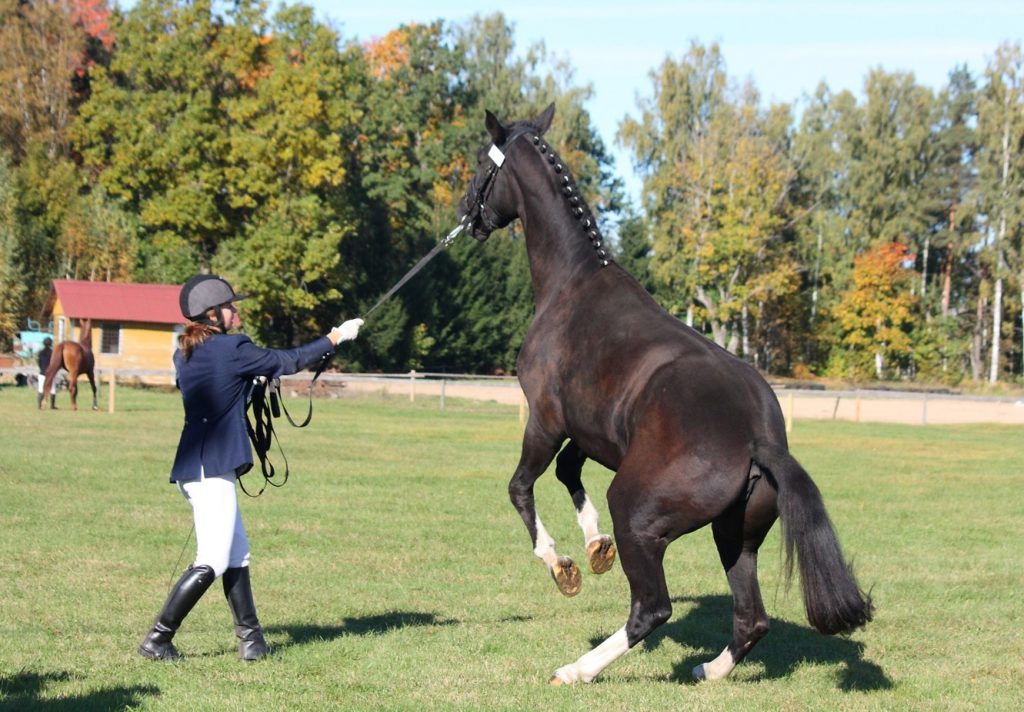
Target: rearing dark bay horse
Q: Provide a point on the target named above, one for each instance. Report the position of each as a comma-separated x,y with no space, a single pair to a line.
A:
694,434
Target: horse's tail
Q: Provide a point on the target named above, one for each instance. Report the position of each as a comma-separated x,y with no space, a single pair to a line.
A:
833,599
56,364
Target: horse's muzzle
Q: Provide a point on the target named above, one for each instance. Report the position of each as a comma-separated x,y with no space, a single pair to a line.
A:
477,225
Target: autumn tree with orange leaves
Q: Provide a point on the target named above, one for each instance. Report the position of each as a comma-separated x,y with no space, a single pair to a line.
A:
876,314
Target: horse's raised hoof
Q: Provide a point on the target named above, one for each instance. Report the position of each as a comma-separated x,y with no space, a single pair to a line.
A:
567,575
556,681
602,554
698,673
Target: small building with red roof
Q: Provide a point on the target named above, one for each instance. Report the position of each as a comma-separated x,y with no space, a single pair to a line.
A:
134,326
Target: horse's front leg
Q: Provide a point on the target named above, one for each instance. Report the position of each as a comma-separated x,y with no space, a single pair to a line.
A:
569,469
538,451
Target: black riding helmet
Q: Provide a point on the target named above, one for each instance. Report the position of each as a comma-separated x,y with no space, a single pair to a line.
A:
205,291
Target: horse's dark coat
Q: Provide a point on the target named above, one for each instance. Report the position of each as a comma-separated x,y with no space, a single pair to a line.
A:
683,423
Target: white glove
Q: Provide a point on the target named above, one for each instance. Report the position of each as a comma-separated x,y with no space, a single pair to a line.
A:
347,331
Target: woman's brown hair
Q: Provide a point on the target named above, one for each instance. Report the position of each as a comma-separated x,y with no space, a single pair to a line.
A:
195,334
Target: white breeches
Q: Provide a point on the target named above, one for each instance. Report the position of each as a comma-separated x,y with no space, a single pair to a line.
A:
42,382
220,535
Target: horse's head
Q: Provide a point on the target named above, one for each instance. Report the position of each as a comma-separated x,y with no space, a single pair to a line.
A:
490,201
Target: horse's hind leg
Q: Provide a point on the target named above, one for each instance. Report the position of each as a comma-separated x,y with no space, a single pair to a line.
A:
568,469
738,533
92,382
538,452
56,362
641,554
73,387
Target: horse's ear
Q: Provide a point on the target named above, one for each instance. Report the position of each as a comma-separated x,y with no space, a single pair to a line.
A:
543,120
495,129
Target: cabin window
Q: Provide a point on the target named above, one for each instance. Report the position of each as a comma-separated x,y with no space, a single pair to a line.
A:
110,343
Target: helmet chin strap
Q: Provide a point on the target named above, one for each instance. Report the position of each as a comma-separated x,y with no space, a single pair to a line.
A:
217,320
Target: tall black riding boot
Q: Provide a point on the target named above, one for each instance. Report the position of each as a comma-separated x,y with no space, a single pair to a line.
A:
181,600
238,591
53,402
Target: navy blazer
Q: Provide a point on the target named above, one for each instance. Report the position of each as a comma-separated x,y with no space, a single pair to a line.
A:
215,382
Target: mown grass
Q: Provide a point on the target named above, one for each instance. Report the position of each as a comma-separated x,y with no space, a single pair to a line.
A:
391,572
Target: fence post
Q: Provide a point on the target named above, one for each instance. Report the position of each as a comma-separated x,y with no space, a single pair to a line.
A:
412,386
856,408
111,384
789,413
924,410
522,408
442,393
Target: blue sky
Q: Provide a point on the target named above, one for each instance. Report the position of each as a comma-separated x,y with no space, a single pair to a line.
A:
785,47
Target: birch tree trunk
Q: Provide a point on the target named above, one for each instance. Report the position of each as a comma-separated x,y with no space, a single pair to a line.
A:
997,318
997,306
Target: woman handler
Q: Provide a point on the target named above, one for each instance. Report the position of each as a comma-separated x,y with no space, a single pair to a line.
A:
215,371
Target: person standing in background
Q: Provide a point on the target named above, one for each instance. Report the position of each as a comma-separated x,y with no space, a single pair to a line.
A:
43,360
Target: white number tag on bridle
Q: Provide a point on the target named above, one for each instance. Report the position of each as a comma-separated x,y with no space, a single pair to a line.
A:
495,154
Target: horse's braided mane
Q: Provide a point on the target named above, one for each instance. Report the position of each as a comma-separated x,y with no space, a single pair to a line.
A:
573,200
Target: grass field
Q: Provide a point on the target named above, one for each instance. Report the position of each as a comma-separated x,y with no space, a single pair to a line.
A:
392,573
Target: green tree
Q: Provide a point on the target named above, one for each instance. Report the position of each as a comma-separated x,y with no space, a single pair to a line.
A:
292,128
716,183
956,147
40,49
822,239
408,156
12,289
942,345
230,137
98,240
46,188
890,154
1001,183
153,131
633,251
47,50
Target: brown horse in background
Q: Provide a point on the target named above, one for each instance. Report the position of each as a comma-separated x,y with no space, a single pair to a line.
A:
75,357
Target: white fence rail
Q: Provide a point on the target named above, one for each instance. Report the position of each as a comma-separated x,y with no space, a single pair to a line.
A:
797,404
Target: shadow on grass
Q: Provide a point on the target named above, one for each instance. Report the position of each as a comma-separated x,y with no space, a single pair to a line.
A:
707,626
365,625
22,692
